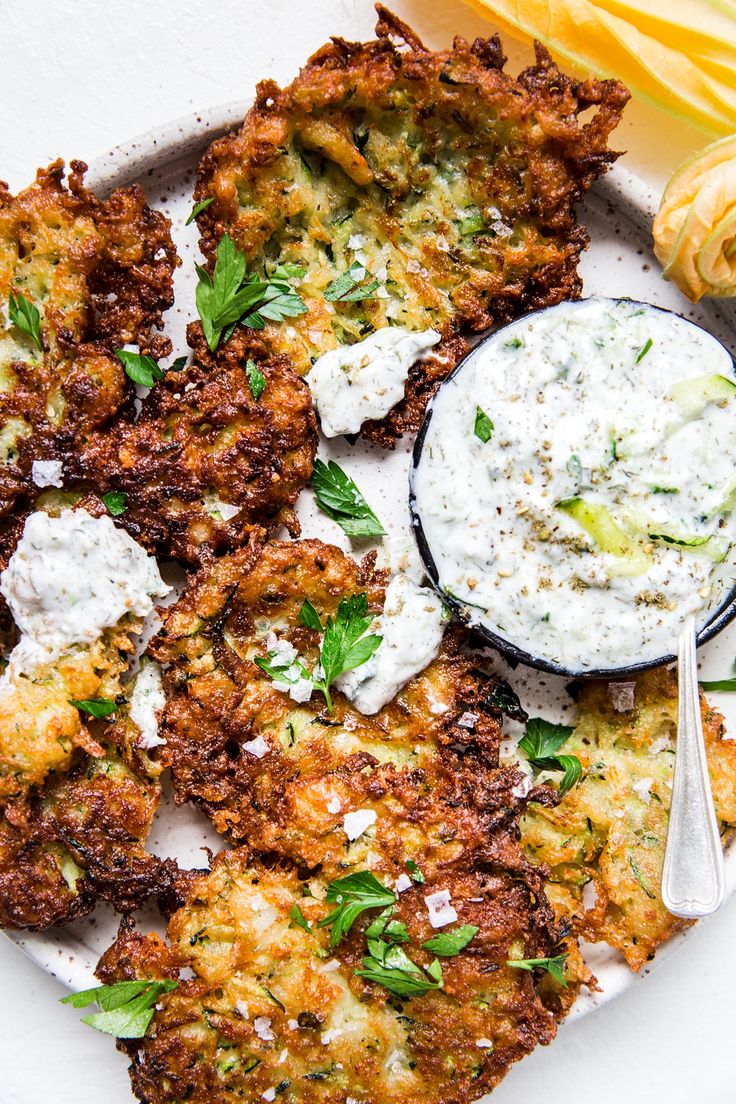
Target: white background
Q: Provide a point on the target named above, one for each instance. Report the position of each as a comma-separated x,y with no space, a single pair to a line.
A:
76,78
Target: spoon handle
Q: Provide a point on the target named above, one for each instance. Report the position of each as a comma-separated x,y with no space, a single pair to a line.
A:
692,877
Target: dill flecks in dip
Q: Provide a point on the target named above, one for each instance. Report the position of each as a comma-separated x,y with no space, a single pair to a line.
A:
599,513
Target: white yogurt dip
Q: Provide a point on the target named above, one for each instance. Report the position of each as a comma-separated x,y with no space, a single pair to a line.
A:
146,705
357,382
70,578
412,625
577,481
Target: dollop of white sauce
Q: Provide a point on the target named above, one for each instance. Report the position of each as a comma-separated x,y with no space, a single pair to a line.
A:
580,399
146,703
70,578
47,473
412,626
357,382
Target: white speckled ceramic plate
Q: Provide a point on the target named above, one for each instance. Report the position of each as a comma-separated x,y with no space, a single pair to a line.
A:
618,214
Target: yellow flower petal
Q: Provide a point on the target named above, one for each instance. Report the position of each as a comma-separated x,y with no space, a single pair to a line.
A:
640,49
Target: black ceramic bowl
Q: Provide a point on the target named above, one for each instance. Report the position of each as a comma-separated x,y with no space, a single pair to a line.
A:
721,617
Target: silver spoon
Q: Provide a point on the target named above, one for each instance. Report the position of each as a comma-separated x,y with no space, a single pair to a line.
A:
693,882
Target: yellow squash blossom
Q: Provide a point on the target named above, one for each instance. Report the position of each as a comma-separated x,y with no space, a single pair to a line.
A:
677,54
695,228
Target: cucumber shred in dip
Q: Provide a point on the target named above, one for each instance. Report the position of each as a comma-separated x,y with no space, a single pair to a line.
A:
599,515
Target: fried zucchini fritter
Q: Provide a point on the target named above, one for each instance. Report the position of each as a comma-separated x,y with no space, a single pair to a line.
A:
81,838
282,775
207,461
610,830
39,727
450,183
272,1011
100,274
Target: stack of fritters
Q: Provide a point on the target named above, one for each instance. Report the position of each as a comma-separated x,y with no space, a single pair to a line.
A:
272,1006
447,182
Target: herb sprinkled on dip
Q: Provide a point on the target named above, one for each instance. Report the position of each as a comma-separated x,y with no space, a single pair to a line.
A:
600,513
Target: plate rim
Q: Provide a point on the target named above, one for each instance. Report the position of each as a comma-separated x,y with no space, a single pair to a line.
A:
129,161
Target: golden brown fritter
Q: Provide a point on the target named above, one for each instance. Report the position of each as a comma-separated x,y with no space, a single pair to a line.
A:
281,775
81,838
450,183
100,274
610,830
39,727
272,1011
204,445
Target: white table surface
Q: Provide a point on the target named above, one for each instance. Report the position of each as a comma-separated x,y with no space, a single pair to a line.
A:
76,78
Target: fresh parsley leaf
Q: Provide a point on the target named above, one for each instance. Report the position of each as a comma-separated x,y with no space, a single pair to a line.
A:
451,942
483,428
395,971
540,744
350,288
339,498
198,208
256,379
26,316
386,928
644,350
414,872
178,364
96,707
309,616
140,367
345,644
230,296
127,1007
553,966
344,647
116,502
506,700
353,894
726,685
297,919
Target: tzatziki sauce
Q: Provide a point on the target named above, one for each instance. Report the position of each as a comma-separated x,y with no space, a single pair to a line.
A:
355,383
70,578
576,483
412,624
146,705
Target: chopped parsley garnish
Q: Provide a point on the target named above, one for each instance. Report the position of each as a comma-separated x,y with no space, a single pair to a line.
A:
143,369
352,895
483,428
506,700
230,296
392,968
680,542
96,707
540,744
414,872
298,920
350,287
309,616
553,966
26,316
451,943
198,208
726,685
338,497
345,646
116,502
256,379
127,1007
385,927
644,350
